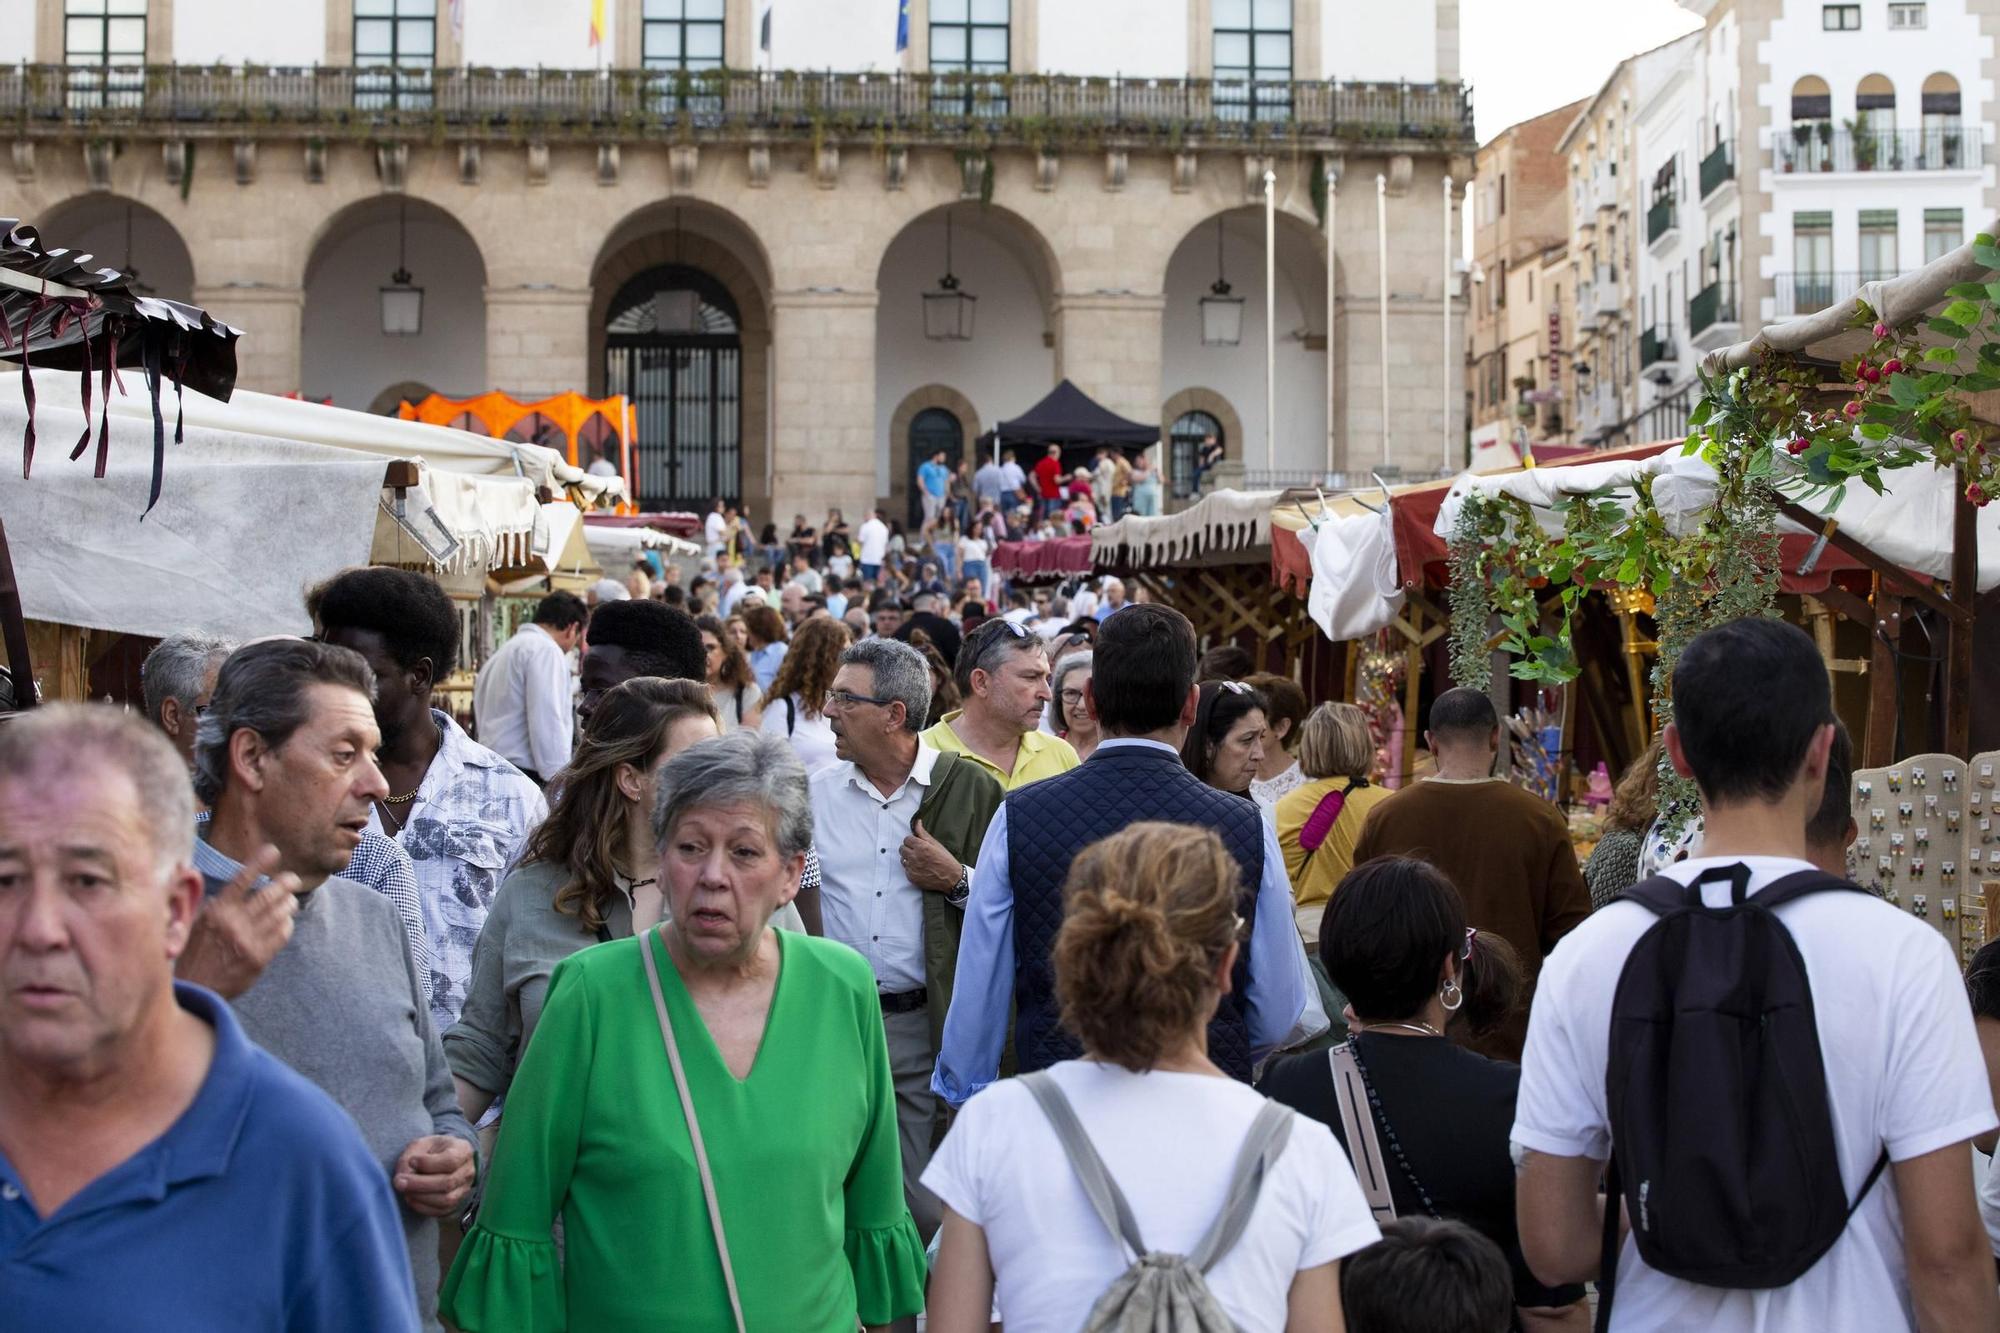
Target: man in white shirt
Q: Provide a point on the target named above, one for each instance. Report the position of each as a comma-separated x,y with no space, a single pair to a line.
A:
1010,471
1753,727
524,698
715,531
890,888
874,537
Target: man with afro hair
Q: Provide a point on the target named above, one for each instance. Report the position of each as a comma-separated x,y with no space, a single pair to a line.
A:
459,810
637,638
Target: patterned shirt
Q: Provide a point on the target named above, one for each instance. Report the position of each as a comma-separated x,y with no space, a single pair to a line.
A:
463,830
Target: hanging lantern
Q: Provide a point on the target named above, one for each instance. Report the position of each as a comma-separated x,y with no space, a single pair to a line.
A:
402,304
1221,313
948,311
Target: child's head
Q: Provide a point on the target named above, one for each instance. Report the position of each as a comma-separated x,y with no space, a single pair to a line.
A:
1427,1277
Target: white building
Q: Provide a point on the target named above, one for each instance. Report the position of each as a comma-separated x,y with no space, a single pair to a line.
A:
1088,163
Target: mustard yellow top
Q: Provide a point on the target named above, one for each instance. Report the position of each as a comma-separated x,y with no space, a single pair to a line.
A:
1314,881
1040,756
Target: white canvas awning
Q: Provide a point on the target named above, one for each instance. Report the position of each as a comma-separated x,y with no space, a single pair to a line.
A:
247,413
1224,527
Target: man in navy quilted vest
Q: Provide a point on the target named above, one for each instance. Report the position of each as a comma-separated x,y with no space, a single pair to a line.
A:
1143,698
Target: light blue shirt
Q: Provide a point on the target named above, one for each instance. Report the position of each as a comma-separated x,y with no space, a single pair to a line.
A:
1280,1003
764,664
936,477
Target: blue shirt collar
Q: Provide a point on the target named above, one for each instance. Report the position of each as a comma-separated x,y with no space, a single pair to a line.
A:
1120,742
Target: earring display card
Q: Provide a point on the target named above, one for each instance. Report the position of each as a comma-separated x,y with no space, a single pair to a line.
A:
1928,841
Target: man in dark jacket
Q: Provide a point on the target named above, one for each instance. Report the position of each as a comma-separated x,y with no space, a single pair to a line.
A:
1143,697
898,826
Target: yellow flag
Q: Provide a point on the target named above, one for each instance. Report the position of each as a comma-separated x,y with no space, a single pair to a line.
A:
597,22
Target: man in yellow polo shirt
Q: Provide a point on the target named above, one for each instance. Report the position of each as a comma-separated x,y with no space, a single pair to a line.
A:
1003,674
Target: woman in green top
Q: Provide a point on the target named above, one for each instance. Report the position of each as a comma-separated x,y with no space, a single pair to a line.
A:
788,1071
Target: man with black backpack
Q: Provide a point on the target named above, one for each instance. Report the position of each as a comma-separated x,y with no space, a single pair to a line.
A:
1779,1067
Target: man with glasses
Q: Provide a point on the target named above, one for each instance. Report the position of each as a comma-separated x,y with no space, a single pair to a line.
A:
1003,675
898,825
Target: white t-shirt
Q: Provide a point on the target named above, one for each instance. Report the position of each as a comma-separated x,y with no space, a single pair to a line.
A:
1170,1141
811,736
874,541
1989,1202
714,529
971,551
1903,1071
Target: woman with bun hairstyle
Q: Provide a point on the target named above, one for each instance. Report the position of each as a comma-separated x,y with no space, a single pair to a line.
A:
1395,942
1149,936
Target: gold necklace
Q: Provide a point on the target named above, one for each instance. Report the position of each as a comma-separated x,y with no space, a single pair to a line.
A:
1425,1028
399,800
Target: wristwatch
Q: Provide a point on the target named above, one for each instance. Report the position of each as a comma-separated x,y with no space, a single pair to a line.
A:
959,892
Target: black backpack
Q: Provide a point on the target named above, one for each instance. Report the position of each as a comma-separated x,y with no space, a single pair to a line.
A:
1722,1139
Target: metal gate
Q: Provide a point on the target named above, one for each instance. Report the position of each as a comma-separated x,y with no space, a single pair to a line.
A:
679,360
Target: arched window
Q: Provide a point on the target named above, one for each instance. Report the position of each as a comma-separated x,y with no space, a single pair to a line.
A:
1811,145
1191,432
1943,132
1875,143
672,348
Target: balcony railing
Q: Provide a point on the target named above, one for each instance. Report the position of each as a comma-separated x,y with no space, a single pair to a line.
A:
1713,304
1050,110
1810,293
1659,220
1717,169
1878,150
1657,345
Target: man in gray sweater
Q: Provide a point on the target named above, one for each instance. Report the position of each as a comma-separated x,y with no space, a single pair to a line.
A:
285,759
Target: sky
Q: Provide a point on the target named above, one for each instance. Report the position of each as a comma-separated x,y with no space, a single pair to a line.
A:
1524,57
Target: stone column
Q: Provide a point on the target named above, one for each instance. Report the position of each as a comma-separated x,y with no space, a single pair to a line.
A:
267,355
1109,346
823,429
537,340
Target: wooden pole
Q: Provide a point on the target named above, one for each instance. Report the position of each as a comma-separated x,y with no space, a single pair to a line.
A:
1964,595
1879,745
14,629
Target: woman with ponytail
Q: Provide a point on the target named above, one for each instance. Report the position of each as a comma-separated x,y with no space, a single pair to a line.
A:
1418,982
1148,942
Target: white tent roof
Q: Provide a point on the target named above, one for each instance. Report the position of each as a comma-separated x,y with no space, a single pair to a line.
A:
268,415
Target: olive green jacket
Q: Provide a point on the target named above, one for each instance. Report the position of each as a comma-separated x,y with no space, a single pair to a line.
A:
956,809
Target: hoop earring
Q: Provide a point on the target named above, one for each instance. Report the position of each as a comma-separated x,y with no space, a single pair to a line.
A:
1451,996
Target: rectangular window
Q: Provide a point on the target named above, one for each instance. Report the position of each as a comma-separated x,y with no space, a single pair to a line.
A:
1944,232
681,34
1878,244
1253,61
395,50
104,45
968,36
1841,18
1503,196
1906,17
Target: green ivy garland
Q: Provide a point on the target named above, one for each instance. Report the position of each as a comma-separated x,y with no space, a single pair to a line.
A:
1471,603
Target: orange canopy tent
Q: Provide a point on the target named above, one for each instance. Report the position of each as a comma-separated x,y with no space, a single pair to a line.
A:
583,429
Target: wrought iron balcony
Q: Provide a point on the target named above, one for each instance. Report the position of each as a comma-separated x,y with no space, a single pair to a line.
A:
1810,293
1811,146
1656,345
1660,219
1717,169
1052,111
1711,312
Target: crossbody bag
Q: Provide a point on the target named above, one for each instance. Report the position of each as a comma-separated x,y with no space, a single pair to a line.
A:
694,1127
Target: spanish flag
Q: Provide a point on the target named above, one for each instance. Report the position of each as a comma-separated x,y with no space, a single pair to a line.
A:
597,22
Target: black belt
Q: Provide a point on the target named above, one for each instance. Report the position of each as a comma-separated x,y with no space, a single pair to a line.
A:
908,1002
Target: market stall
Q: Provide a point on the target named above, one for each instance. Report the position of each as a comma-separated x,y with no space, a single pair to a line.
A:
581,429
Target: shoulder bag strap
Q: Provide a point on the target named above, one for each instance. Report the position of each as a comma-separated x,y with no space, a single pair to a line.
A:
791,716
1262,1146
1357,1126
694,1126
1098,1186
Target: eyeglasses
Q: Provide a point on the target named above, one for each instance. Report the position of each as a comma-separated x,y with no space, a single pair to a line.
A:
1013,628
1072,698
848,699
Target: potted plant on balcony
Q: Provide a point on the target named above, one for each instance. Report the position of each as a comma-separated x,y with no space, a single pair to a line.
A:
1802,134
1863,140
1826,145
1950,148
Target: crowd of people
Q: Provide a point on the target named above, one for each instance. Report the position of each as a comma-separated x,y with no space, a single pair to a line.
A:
766,952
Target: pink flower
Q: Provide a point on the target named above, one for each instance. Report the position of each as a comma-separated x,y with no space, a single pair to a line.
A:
1977,494
1798,446
1853,409
1891,366
1958,438
1881,330
1874,375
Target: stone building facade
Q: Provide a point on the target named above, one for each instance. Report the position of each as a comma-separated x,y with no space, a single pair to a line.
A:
747,251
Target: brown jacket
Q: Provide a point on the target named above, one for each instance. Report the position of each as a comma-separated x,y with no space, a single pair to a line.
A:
1509,854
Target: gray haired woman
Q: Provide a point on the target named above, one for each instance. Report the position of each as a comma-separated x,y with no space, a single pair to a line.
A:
1069,714
703,1142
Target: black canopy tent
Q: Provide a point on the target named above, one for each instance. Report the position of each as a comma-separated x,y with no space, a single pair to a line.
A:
1072,418
59,313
